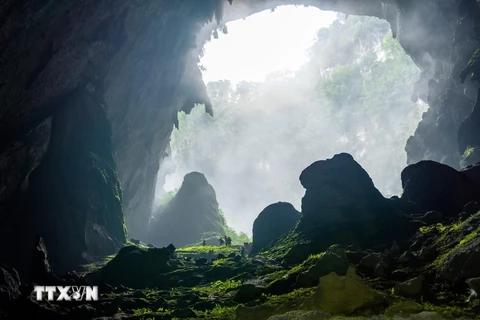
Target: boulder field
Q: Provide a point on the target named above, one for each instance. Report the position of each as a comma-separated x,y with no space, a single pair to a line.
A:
349,254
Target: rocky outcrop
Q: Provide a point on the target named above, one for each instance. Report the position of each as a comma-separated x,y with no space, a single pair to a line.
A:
135,267
190,214
9,284
443,57
435,186
342,206
273,222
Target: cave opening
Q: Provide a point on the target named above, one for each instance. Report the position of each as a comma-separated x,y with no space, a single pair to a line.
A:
306,84
90,98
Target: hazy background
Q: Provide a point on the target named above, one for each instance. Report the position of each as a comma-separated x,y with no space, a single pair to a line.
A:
291,87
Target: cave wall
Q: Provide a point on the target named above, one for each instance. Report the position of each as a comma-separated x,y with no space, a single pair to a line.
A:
140,57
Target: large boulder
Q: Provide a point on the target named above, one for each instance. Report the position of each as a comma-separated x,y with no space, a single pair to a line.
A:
435,186
192,212
273,222
135,267
462,263
346,294
342,206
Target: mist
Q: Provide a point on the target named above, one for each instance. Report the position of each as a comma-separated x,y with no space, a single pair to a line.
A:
351,93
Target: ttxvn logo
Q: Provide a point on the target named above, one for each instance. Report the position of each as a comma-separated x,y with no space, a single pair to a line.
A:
68,293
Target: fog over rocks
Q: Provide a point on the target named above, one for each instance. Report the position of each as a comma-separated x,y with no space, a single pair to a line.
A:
353,95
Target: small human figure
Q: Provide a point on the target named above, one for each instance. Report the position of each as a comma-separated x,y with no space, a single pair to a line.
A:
204,243
221,241
248,247
228,241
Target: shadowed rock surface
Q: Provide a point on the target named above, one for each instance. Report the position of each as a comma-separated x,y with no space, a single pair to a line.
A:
272,223
435,186
341,205
192,212
427,275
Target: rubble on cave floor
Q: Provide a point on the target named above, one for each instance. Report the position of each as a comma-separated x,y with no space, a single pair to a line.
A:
429,271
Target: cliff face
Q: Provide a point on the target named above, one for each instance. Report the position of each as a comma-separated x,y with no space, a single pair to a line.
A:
139,57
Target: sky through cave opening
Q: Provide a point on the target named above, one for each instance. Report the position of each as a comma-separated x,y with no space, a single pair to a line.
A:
291,86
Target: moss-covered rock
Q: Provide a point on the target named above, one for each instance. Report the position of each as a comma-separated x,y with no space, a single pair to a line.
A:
346,295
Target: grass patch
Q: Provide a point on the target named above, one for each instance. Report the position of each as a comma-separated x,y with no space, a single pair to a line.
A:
298,296
218,288
219,313
205,249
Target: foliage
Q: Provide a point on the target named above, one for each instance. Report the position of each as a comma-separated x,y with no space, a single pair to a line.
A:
219,313
168,196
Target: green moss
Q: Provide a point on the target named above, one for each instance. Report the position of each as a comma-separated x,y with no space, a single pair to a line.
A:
451,239
145,313
296,296
450,311
205,249
283,245
141,245
223,262
92,267
427,229
469,151
218,288
219,313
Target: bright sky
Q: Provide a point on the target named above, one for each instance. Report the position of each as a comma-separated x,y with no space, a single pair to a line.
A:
263,43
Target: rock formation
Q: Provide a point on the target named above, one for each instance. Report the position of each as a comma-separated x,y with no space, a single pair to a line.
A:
272,223
432,274
341,205
192,212
435,186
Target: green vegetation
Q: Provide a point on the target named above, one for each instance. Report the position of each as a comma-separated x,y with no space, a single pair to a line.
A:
219,288
219,313
451,237
468,152
205,249
167,197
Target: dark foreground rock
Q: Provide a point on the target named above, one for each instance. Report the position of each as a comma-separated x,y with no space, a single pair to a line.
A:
273,222
145,283
136,267
435,186
190,214
342,206
9,284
